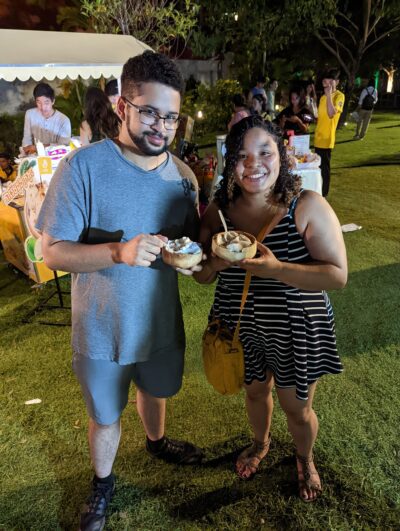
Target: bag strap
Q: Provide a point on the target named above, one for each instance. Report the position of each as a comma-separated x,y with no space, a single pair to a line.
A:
261,235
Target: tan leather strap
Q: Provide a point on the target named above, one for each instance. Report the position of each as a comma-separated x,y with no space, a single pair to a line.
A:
261,235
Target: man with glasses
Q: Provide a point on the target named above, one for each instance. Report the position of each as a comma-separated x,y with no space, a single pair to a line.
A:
109,210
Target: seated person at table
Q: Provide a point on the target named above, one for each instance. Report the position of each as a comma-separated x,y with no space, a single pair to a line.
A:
100,119
259,107
297,116
240,110
8,171
44,123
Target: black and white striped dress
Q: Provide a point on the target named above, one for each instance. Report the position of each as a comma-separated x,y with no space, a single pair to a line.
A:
287,330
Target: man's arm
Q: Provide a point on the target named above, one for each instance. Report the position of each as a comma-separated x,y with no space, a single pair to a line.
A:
65,131
27,139
329,103
362,96
77,257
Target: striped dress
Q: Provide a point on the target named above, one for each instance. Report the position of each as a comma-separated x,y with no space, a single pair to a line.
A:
286,330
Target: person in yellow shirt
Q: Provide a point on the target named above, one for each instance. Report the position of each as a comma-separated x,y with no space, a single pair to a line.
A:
8,172
329,109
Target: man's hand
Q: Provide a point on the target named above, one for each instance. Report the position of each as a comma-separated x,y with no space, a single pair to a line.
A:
328,90
141,250
195,269
29,150
214,263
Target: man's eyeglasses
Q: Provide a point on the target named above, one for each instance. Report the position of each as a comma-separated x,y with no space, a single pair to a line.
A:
149,117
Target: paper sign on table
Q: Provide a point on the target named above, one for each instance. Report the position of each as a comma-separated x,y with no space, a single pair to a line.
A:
18,186
301,144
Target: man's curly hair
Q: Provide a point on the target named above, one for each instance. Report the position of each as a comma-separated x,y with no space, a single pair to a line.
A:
147,68
287,185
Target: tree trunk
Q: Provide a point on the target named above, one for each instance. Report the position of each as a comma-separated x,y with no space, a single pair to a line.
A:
347,98
348,92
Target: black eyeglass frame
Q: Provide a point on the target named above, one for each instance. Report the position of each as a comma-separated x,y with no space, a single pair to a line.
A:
153,116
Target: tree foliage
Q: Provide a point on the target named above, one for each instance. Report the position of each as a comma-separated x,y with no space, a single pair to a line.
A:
257,33
356,29
214,102
344,31
159,23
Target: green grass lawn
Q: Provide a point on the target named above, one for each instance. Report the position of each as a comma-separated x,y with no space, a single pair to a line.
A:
45,468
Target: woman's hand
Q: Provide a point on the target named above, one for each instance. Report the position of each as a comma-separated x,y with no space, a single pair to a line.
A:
264,266
218,264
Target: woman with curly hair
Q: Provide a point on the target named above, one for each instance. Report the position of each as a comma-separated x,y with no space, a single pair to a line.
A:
100,119
287,327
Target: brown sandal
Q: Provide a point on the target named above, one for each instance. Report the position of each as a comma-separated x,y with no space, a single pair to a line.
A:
305,481
249,460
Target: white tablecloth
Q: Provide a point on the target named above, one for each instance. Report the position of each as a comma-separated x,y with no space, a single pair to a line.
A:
311,179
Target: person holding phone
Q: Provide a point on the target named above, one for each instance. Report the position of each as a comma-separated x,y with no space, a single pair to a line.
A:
297,116
329,109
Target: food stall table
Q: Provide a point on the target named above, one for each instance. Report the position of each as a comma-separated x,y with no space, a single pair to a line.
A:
13,233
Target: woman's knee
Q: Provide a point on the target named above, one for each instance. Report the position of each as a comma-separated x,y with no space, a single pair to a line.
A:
259,390
300,416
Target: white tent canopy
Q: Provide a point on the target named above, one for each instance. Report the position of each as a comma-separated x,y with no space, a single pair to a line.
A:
28,54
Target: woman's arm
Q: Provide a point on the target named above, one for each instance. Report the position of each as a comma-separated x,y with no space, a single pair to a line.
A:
317,223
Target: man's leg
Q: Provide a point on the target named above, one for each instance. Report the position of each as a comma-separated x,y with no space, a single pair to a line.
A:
105,386
152,413
325,155
156,380
103,445
365,123
359,122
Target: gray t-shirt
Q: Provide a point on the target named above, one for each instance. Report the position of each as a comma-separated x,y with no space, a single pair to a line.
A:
53,130
122,313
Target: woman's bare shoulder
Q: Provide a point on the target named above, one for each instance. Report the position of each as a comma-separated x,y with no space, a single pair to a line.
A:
311,207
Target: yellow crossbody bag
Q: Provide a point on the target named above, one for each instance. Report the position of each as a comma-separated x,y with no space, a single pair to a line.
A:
223,356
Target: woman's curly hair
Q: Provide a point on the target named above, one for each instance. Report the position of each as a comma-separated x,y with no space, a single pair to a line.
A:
287,186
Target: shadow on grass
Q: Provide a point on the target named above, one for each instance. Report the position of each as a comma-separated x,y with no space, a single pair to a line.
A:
345,141
388,126
20,292
383,160
365,310
272,497
382,116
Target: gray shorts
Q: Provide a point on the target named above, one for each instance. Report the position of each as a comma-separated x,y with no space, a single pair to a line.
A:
105,384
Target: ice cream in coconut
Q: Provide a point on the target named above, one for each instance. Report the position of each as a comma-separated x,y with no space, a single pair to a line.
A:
182,253
234,245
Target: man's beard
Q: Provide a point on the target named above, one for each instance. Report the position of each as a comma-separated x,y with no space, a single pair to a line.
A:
145,147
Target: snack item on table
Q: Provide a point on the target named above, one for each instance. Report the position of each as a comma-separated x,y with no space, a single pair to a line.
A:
182,253
234,245
306,157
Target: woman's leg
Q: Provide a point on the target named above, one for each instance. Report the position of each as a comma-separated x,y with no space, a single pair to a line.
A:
303,425
259,405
